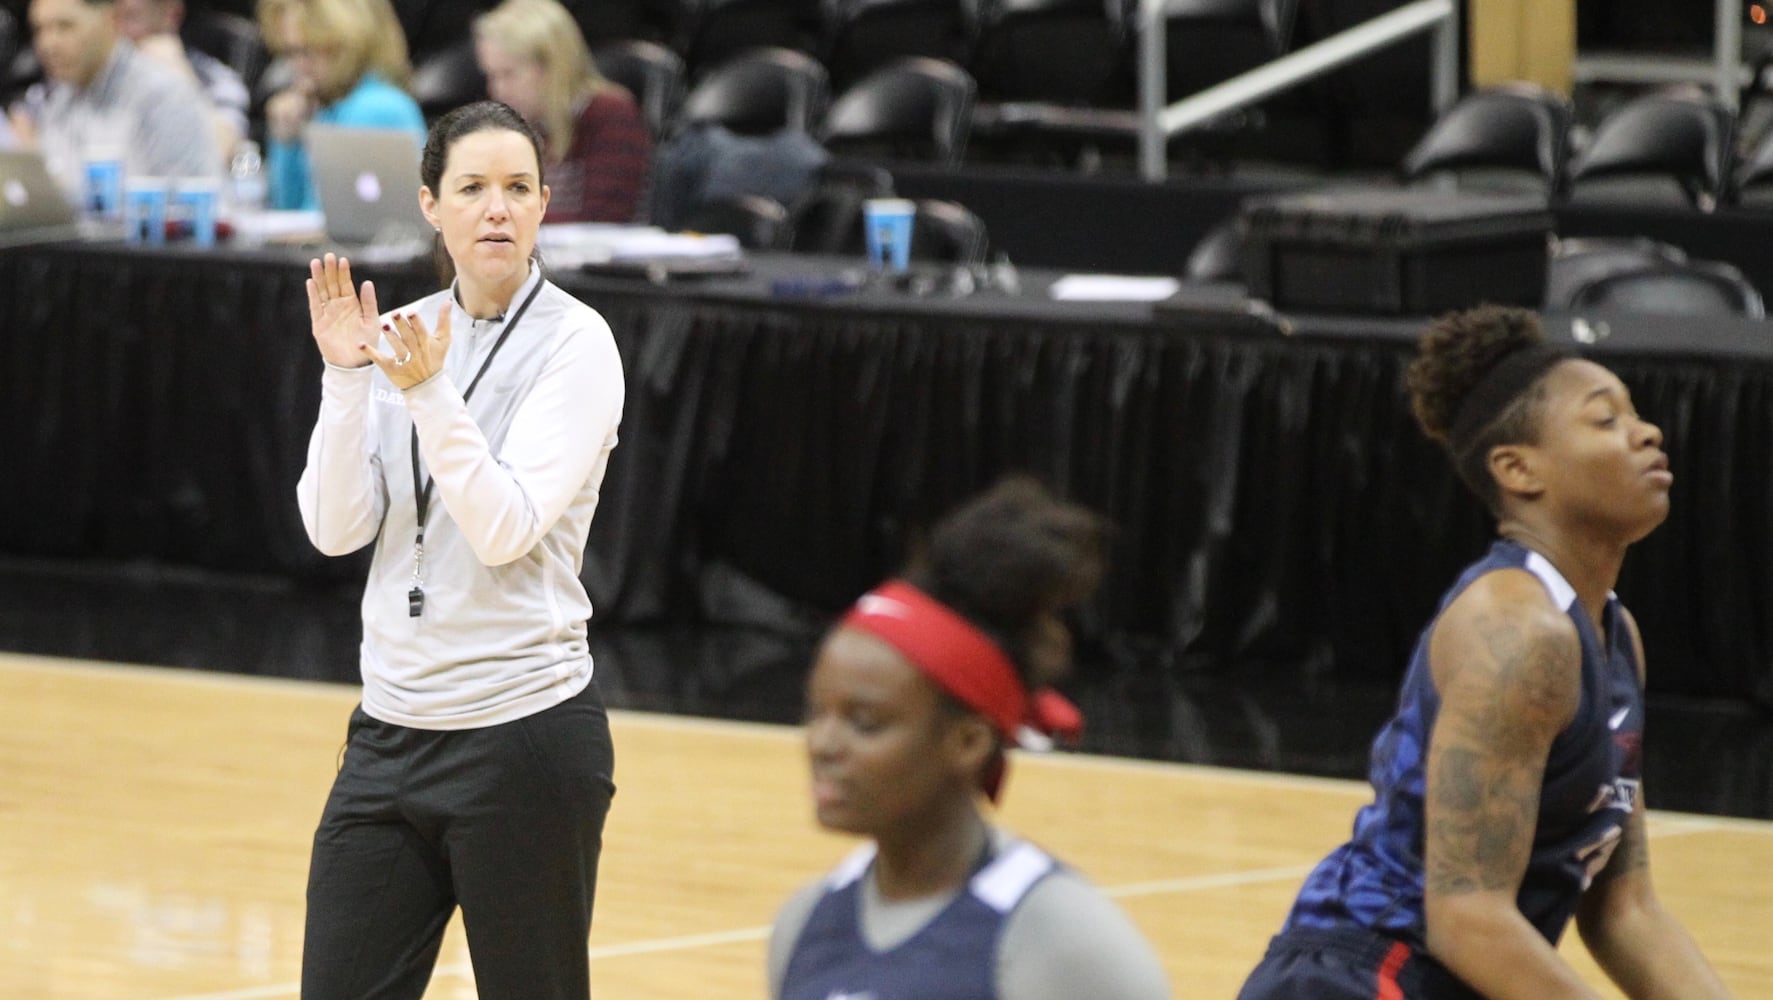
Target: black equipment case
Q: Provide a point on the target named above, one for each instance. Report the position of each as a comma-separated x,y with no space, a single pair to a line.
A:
1396,251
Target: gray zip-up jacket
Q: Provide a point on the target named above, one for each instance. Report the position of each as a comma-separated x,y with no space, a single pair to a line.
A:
517,469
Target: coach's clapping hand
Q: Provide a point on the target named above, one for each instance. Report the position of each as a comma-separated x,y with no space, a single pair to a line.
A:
343,317
418,354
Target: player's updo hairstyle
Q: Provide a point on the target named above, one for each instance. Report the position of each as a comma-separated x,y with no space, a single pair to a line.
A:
1010,561
1476,383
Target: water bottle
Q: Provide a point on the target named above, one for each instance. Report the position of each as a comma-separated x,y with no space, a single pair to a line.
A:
246,189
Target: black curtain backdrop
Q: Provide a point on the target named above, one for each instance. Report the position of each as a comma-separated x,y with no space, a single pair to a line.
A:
1274,503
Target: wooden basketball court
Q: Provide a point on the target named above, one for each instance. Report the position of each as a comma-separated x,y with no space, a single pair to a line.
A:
154,831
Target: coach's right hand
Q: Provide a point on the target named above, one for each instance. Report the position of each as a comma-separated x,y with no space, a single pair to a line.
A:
344,318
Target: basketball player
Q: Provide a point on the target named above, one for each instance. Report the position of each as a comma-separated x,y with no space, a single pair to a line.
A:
1507,789
912,700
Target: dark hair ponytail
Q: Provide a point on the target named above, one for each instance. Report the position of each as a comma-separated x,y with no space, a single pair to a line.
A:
1010,560
1474,384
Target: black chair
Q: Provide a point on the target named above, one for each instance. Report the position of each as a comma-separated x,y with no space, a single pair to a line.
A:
828,219
609,22
434,26
9,40
231,38
712,32
863,35
760,223
1219,256
760,91
650,71
1519,128
1688,288
1753,184
1684,136
1574,264
1074,52
447,79
916,108
947,231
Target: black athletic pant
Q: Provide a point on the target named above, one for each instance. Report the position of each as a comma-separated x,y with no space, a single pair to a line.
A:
1348,963
506,822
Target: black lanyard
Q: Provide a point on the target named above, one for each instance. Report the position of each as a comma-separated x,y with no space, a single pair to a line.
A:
421,488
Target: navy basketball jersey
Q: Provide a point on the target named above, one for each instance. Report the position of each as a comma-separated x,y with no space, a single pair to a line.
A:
953,957
1591,783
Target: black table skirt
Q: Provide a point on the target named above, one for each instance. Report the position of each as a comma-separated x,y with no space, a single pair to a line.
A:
1274,504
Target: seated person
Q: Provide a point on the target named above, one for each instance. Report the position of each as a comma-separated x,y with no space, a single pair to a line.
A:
102,97
598,146
153,27
351,66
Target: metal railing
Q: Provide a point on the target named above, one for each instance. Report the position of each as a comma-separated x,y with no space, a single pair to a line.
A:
1726,51
1158,124
1724,72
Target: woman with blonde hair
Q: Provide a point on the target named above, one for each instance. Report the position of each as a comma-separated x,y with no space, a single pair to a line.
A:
594,135
351,68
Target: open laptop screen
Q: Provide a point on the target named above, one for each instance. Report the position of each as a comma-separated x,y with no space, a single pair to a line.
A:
32,207
368,182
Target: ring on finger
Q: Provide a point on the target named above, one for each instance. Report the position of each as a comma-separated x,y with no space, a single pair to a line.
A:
401,361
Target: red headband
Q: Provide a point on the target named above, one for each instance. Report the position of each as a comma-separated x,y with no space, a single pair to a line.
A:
964,662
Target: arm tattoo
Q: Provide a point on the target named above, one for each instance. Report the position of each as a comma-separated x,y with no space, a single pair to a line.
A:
1482,830
1532,679
1500,710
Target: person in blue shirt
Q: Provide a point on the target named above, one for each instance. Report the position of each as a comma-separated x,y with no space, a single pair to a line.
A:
1507,786
351,67
910,705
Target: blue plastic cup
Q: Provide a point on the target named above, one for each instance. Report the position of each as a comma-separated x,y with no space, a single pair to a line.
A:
104,188
194,204
887,223
144,210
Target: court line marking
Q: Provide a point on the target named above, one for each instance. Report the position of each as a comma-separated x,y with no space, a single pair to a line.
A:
1220,880
686,942
744,935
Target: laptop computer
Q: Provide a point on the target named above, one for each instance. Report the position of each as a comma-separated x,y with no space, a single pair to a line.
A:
368,183
33,208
